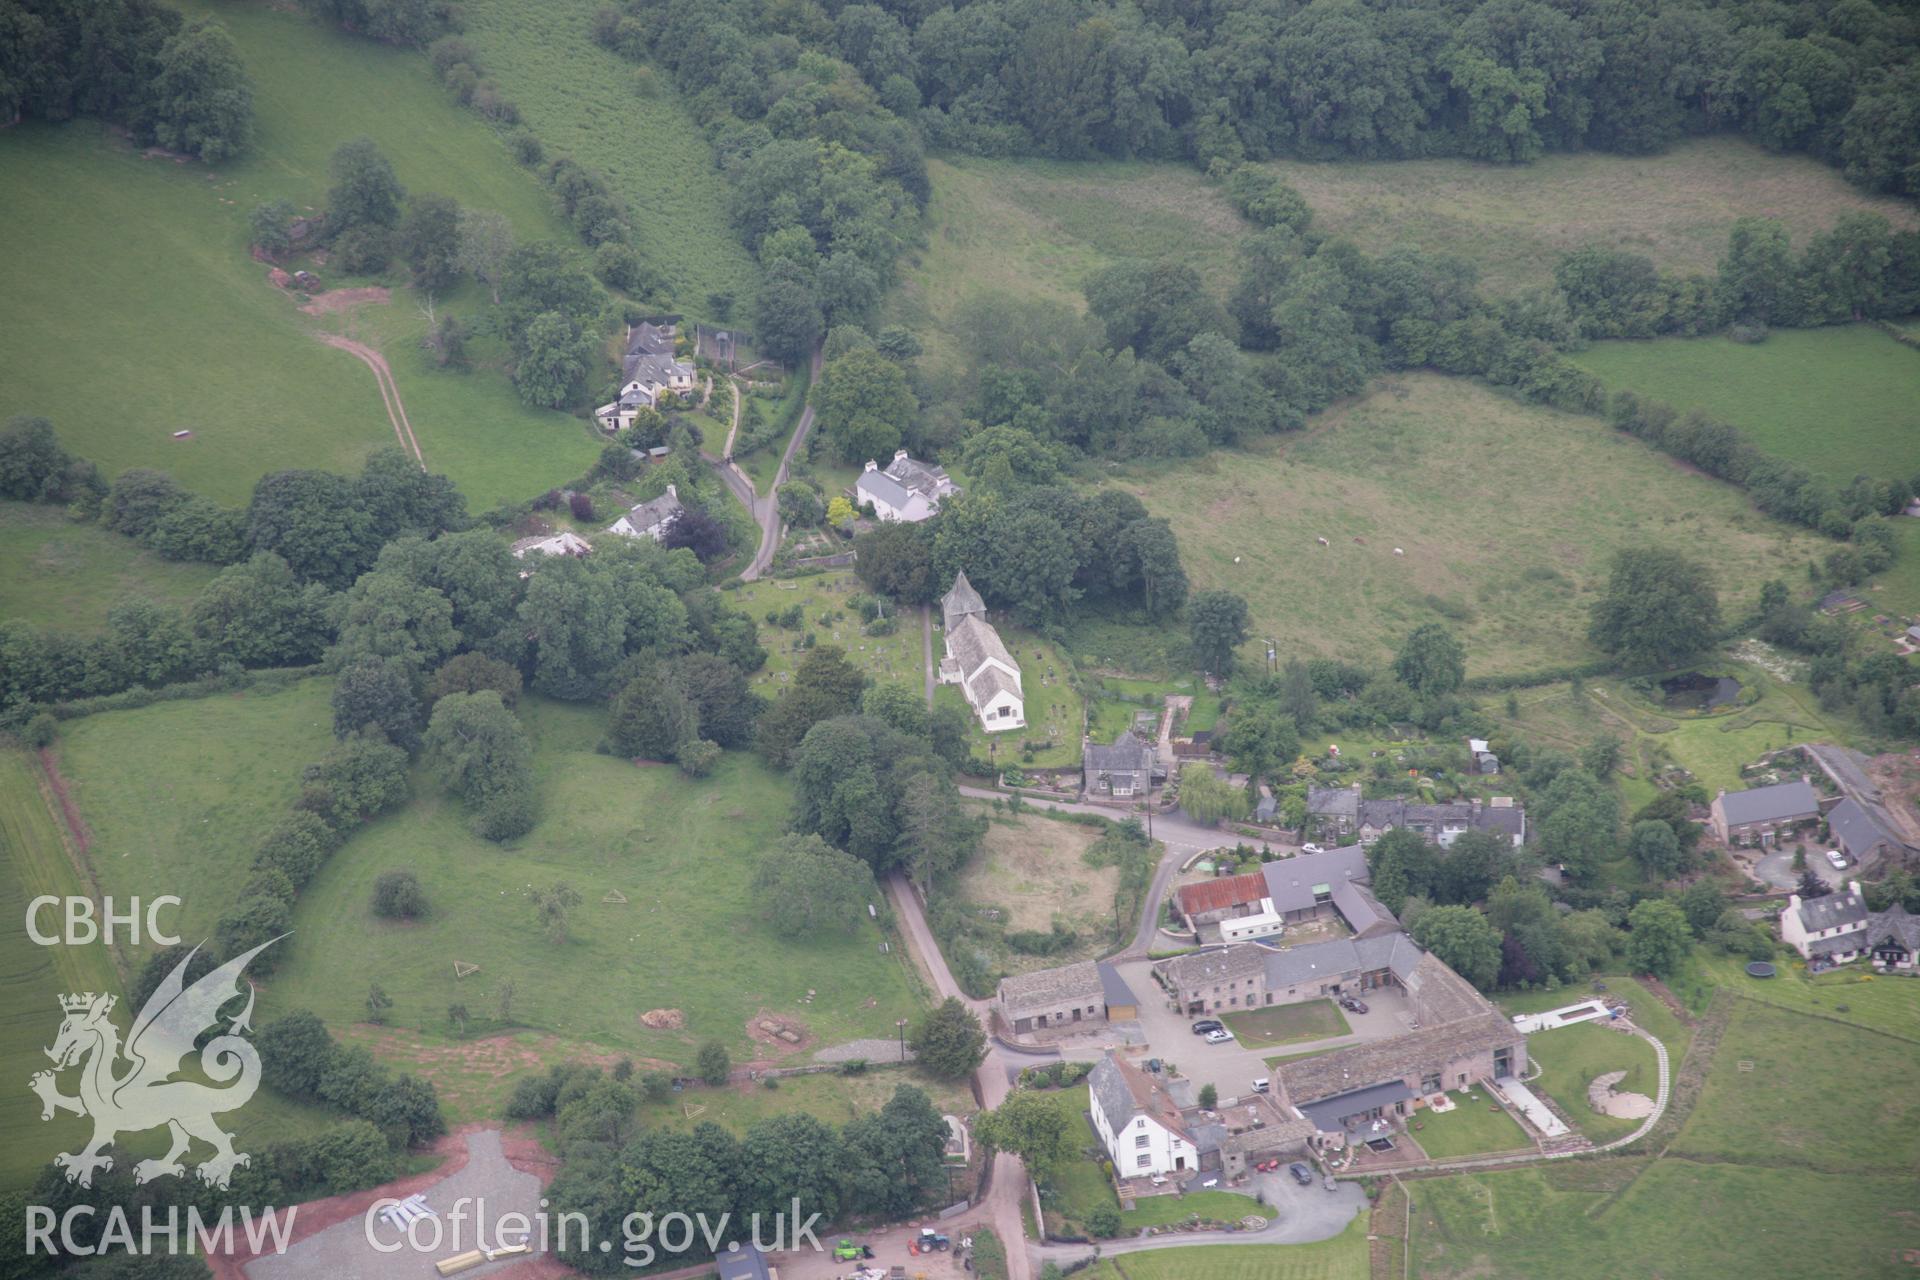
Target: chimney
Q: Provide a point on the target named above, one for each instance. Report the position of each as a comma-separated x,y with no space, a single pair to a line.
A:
899,455
1793,903
672,491
872,465
1854,885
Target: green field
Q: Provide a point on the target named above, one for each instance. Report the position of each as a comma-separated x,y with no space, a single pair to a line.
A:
1672,1218
1849,995
36,862
123,339
1840,401
1775,1095
580,100
1507,515
1342,1258
1287,1024
1036,229
1475,1126
58,573
1515,221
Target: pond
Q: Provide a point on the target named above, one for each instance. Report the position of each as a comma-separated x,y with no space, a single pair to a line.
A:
1697,692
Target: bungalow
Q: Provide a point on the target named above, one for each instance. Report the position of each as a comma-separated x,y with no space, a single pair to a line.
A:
651,519
1893,940
978,662
905,490
564,543
1138,1121
1757,816
1124,769
1088,992
1831,927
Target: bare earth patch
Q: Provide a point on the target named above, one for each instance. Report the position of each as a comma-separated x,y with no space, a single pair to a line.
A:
782,1034
664,1019
344,299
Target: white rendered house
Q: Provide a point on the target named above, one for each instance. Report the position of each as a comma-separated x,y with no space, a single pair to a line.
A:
1138,1122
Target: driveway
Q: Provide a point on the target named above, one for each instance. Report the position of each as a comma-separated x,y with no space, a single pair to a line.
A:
1306,1214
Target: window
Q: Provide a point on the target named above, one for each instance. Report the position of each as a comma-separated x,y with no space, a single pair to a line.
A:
1143,1162
1140,1140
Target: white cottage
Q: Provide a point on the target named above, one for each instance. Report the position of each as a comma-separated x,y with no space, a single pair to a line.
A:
1138,1121
905,490
651,519
978,662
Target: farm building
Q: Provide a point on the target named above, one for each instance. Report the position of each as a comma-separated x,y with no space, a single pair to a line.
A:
1085,993
1757,816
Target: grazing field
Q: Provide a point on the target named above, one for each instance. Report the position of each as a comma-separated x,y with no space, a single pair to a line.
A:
825,600
1342,1258
680,852
1507,514
1515,221
1578,1220
1287,1024
1840,401
1475,1126
1032,870
1036,229
176,795
58,573
34,861
185,329
1773,1096
581,100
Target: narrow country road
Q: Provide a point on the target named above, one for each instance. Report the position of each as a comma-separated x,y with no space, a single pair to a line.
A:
1007,1184
769,512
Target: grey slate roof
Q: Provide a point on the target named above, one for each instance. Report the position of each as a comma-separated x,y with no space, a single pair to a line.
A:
1128,754
1327,1113
972,641
1832,911
650,340
1228,964
1777,803
1125,1091
990,684
1333,802
1291,882
923,478
658,369
654,511
1114,987
1858,829
1361,910
1109,1088
882,486
1341,1071
742,1262
1045,988
1507,820
1894,924
961,599
1317,961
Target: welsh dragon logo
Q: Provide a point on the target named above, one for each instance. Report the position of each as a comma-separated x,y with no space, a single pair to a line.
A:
145,1094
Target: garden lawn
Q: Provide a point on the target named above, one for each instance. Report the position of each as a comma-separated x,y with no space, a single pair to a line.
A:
581,100
1210,1206
1284,1024
1474,1127
1596,1220
1839,401
1507,515
62,574
1647,1010
1814,1093
1848,995
1342,1258
1570,1058
1514,222
686,938
36,862
892,659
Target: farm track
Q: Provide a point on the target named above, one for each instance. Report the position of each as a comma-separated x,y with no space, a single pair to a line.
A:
389,390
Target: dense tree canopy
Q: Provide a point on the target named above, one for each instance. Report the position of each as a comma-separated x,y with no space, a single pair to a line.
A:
1659,609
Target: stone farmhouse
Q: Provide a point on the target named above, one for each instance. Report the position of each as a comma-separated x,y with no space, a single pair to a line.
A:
1090,992
1759,815
1125,769
1148,1134
1859,833
904,490
1460,1039
978,662
1262,903
651,519
1334,811
1252,976
649,371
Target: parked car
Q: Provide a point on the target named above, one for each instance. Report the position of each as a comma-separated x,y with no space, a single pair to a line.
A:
1301,1174
1219,1035
1205,1025
1353,1004
1311,848
1837,858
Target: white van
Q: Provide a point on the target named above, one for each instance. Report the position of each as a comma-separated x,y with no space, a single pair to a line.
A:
1261,1085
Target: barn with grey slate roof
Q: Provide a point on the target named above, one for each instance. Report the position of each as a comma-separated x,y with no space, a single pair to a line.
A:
1759,813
